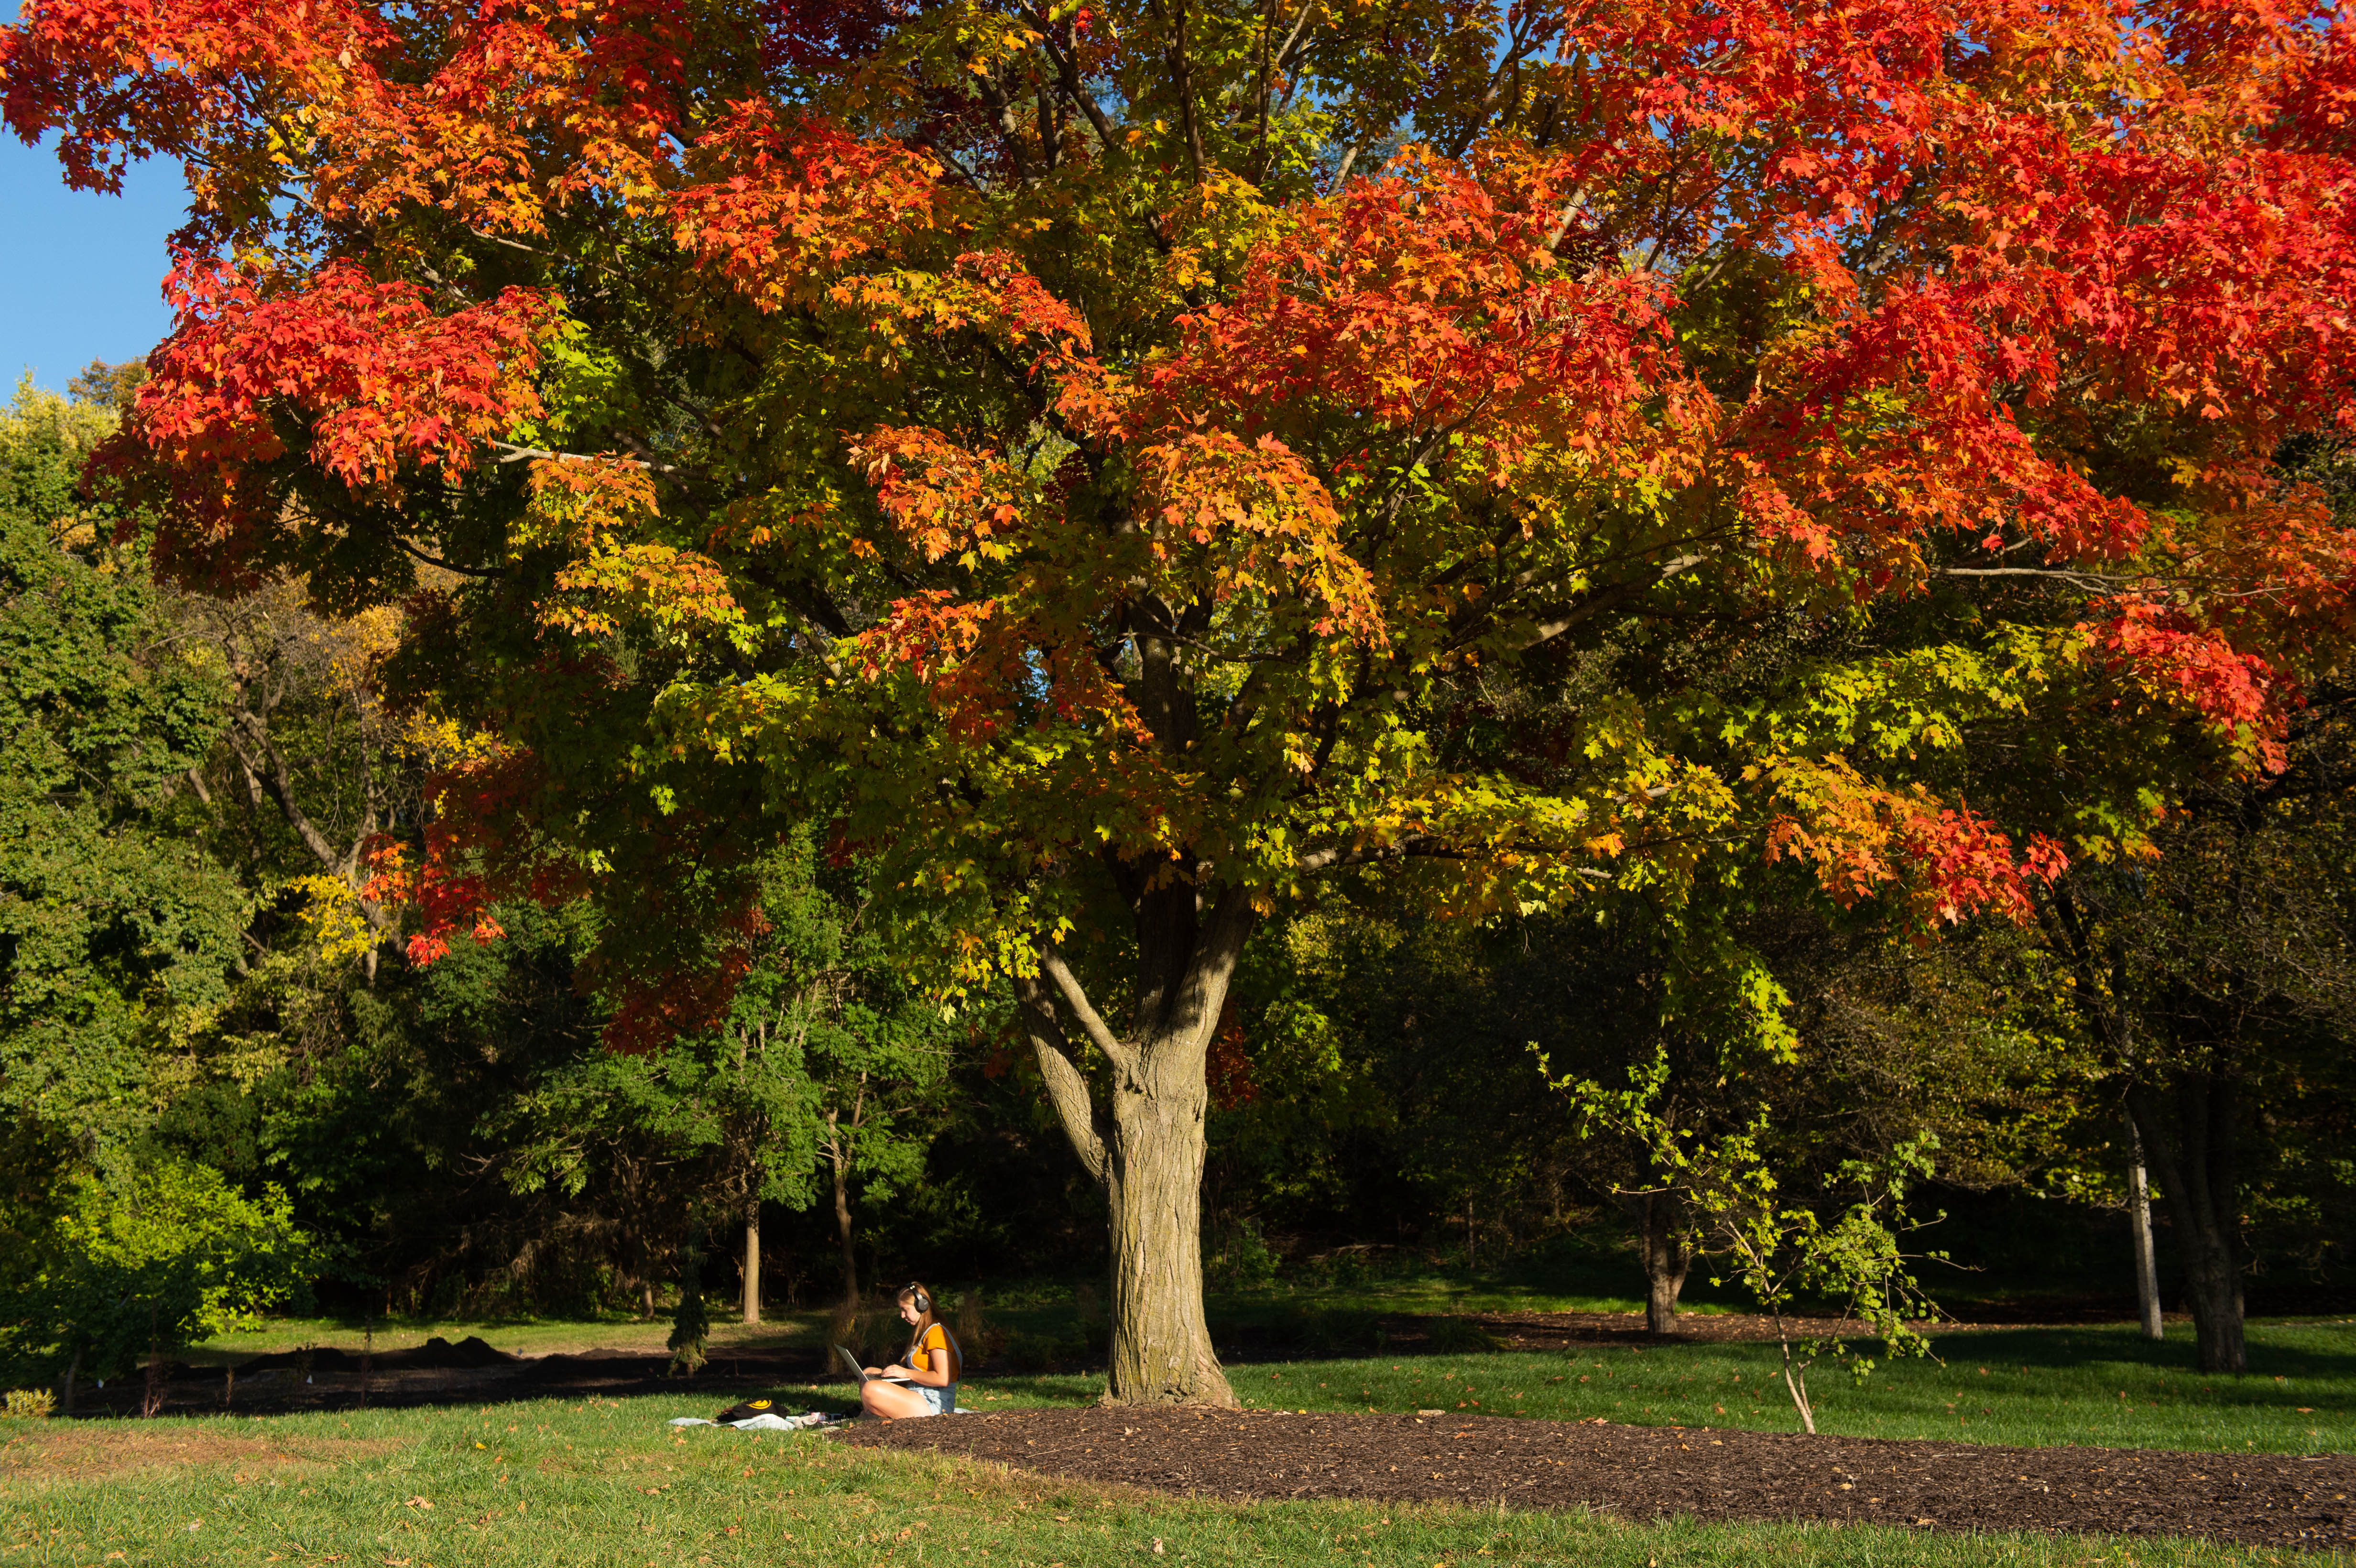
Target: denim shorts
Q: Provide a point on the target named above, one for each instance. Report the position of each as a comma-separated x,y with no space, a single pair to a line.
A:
938,1401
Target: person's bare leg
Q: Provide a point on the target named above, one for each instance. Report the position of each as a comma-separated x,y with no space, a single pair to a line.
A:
893,1401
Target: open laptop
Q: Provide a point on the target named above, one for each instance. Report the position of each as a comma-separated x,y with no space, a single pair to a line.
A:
862,1373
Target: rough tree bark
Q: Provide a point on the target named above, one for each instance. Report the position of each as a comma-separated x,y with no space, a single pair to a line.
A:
2191,1152
1142,1136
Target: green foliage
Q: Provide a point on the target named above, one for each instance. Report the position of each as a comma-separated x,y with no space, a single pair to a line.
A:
117,929
1239,1257
160,1258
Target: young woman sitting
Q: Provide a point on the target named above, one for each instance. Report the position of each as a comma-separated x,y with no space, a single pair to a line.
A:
933,1366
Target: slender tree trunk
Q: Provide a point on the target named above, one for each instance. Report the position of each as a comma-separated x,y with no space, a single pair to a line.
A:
842,1223
1141,1140
2147,1265
152,1400
2197,1182
752,1261
1669,1257
1795,1380
73,1376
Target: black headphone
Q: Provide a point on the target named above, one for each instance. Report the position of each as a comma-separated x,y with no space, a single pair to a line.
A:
918,1299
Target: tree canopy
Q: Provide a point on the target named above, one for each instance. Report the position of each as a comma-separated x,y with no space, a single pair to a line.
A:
1118,466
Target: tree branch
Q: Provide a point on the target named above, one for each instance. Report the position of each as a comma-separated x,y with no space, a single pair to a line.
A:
2088,579
1619,593
1067,1087
1052,965
511,453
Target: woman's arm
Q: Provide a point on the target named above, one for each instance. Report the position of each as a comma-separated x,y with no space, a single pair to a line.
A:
937,1367
929,1378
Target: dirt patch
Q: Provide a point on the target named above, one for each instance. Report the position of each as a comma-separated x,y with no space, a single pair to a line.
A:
436,1354
58,1452
1644,1472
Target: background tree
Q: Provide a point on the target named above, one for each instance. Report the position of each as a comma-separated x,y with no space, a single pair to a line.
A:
2215,981
117,931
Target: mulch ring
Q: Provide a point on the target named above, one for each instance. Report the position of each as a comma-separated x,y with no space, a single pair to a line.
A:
1645,1472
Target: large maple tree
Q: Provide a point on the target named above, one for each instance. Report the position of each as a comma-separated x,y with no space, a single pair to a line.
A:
1123,463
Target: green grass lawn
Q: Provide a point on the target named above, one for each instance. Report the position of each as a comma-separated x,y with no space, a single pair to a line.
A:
2105,1386
2102,1386
604,1484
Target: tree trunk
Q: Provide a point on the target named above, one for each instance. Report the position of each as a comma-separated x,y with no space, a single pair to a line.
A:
73,1376
1669,1255
152,1400
1161,1338
2147,1265
2195,1169
752,1261
1141,1139
843,1226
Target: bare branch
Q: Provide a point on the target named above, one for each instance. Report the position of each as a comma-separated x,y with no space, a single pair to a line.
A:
510,454
2095,579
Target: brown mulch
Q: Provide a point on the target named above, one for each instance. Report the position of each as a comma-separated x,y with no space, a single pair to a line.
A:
1647,1472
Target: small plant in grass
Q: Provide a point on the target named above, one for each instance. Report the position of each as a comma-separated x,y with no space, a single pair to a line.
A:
31,1404
1783,1249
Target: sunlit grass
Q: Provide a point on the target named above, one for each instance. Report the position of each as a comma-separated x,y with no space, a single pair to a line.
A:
605,1485
2102,1385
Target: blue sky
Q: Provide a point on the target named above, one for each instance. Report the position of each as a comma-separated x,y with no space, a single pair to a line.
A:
80,274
